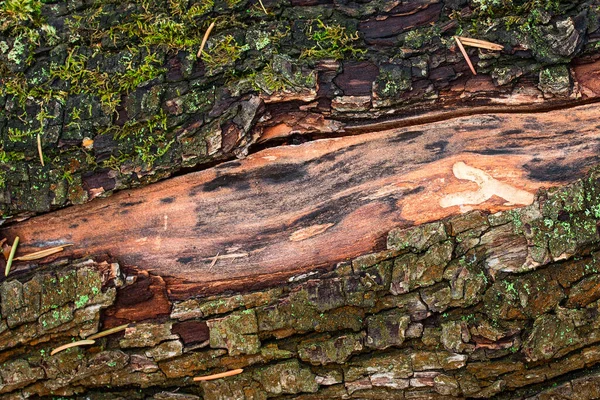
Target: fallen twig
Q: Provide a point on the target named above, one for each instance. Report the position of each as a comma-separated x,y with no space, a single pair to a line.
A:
108,332
9,261
218,376
483,44
72,344
465,55
42,253
204,39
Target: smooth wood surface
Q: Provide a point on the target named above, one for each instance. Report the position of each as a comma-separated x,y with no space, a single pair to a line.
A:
288,210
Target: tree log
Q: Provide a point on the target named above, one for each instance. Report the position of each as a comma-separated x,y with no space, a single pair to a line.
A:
355,216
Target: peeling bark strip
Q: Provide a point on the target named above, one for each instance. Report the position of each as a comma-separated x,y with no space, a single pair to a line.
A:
474,306
112,101
289,210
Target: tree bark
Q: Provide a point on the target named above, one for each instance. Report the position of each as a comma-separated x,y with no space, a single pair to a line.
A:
371,221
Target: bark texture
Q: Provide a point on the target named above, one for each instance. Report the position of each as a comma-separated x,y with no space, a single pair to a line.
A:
474,306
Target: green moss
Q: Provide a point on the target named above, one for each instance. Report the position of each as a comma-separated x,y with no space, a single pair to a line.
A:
82,301
331,41
225,51
14,13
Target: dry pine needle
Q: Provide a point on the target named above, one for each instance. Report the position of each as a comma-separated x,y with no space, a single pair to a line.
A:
85,342
13,250
109,331
482,44
218,376
204,39
42,253
465,55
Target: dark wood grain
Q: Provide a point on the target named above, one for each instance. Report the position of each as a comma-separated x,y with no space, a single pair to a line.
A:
289,210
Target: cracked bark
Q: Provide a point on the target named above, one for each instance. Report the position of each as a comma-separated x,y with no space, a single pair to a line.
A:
409,245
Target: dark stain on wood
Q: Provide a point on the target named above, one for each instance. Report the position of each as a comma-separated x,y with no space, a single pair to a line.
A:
384,28
405,136
130,203
475,128
439,146
357,78
229,164
494,152
167,200
185,260
191,332
510,132
556,171
271,175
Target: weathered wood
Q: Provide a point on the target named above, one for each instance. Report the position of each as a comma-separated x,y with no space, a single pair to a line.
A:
294,209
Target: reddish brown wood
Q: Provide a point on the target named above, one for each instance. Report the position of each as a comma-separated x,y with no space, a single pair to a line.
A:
288,210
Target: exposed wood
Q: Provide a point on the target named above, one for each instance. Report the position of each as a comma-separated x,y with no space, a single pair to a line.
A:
293,209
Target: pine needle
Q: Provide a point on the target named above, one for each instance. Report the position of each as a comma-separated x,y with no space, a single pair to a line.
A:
218,376
108,332
214,261
205,38
482,44
13,250
72,344
263,7
39,146
465,55
42,253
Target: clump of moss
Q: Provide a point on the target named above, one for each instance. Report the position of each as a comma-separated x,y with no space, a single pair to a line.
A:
331,41
15,14
144,142
225,51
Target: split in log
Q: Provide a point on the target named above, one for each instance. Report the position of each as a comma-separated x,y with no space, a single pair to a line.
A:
290,210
